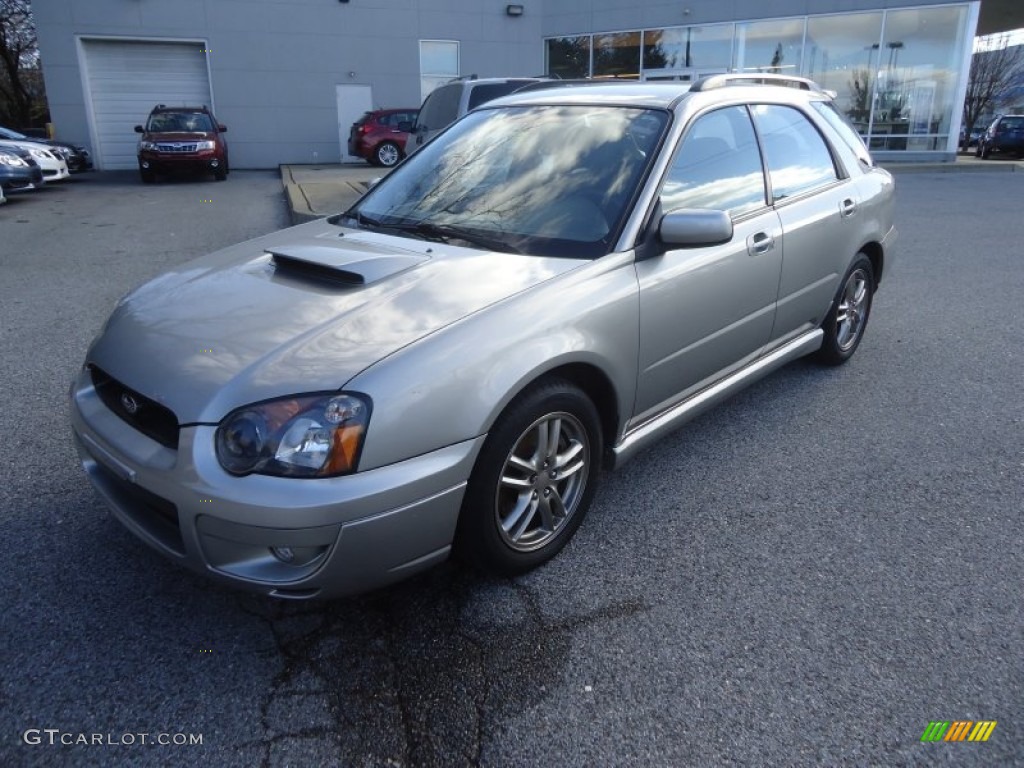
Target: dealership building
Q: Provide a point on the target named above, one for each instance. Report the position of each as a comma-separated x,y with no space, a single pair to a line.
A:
289,77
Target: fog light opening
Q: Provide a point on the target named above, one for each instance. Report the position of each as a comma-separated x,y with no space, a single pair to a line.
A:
214,163
284,554
298,557
145,164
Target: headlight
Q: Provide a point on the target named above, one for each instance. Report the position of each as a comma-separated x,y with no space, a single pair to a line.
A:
147,145
206,145
303,436
12,160
41,154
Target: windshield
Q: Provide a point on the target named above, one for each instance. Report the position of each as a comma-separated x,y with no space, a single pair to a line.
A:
180,122
547,180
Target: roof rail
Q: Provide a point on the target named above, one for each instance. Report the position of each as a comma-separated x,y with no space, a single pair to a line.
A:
754,78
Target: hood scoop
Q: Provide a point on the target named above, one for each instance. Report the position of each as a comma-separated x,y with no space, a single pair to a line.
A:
338,265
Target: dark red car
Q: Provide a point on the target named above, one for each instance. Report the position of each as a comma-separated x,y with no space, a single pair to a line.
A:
182,139
378,138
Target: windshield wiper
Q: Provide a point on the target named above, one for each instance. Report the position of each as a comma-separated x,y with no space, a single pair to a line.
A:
445,233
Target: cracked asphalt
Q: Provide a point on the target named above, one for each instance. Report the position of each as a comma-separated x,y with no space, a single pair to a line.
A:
807,575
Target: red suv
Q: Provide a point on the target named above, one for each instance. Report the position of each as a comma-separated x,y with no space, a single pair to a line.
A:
377,137
182,139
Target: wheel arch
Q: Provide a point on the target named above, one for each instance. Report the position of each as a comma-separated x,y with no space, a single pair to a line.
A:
597,386
876,256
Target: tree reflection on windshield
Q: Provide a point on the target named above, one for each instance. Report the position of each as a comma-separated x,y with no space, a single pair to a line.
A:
550,180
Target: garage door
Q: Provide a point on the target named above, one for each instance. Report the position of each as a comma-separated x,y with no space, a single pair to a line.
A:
127,79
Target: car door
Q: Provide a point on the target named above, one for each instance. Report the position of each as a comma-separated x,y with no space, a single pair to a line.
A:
705,311
816,203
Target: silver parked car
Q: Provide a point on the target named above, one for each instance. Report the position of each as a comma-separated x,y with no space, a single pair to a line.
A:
555,281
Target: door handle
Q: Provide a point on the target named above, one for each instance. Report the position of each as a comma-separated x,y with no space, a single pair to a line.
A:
759,243
847,208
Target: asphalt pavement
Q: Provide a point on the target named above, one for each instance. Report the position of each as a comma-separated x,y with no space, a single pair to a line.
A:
807,575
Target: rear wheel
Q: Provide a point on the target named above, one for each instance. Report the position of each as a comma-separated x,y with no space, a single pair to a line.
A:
845,323
533,481
387,154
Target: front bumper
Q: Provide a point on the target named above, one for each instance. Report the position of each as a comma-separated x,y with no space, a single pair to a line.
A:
282,537
161,162
17,179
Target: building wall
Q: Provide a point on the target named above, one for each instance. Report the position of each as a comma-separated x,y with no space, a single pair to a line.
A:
274,64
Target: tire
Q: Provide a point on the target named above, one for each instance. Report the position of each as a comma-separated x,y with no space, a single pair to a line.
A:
845,322
522,505
984,153
220,173
387,154
148,177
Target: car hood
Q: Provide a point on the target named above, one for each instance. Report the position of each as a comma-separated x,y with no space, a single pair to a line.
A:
244,325
180,136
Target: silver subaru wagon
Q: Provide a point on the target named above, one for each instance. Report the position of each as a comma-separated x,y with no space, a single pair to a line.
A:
557,280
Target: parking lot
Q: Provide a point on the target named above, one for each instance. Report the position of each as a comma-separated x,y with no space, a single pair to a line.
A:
807,575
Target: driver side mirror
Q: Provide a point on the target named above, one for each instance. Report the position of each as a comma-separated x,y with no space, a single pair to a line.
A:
694,227
221,127
405,126
139,129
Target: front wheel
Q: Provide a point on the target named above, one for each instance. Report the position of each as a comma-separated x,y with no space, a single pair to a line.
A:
533,481
387,154
845,322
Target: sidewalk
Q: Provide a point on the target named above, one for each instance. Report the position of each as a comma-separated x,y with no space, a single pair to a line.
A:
321,190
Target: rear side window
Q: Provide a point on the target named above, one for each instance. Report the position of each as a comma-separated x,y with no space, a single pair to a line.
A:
440,108
481,94
841,124
1012,123
797,157
718,166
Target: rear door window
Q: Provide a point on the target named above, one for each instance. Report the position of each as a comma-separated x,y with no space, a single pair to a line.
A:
440,108
797,156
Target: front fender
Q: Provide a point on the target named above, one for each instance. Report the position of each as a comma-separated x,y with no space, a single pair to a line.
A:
452,385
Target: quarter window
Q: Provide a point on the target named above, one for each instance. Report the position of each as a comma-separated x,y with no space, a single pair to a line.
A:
797,157
718,166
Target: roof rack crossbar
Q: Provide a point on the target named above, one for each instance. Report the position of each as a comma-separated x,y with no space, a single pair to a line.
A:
753,78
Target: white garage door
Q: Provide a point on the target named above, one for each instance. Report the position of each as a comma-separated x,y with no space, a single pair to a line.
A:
127,79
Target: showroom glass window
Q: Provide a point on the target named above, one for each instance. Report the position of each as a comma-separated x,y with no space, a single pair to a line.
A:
439,63
569,57
769,46
718,166
797,157
919,68
617,55
686,48
842,54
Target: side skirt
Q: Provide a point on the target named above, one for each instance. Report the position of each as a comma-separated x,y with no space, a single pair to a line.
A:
644,434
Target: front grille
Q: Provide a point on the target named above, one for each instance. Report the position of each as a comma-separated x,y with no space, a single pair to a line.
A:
149,417
176,147
155,514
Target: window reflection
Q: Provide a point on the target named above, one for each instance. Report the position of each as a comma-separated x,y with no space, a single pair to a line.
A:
547,180
797,157
569,57
769,46
617,55
718,166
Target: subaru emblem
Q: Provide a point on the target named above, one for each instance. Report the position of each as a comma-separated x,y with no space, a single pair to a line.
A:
129,403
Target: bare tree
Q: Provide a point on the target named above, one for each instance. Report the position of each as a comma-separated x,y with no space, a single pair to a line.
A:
22,100
996,69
